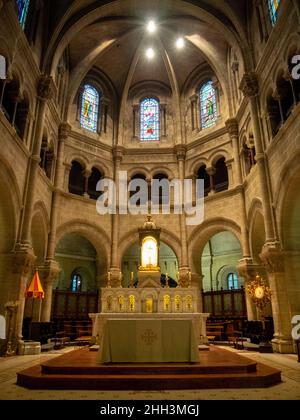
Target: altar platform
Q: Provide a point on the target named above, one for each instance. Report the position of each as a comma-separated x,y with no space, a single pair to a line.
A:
216,368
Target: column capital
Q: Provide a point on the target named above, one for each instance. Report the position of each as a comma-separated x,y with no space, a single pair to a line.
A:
118,153
49,271
272,257
194,98
232,126
247,269
23,260
46,88
180,150
211,171
249,85
64,131
87,173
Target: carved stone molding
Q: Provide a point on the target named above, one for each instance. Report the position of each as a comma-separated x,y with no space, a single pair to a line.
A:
46,88
23,260
118,153
249,85
232,127
272,258
64,131
180,151
49,271
247,269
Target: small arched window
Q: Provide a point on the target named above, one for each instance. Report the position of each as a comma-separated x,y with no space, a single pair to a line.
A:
208,105
89,113
232,281
150,120
76,283
23,7
273,10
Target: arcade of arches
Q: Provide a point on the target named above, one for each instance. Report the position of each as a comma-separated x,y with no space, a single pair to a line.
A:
84,99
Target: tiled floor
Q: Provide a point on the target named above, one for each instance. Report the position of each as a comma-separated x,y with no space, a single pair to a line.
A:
289,389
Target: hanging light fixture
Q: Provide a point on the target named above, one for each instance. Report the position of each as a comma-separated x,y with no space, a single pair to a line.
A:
151,27
180,43
150,54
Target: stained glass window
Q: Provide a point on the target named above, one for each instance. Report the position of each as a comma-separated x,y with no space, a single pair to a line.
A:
90,108
208,105
76,283
273,9
233,281
150,116
23,6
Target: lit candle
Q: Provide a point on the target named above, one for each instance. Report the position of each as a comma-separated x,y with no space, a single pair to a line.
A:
131,279
167,280
108,279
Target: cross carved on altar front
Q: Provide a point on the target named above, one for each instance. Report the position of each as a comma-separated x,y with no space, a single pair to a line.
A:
149,337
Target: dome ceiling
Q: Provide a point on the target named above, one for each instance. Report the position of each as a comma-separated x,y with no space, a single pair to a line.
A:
113,38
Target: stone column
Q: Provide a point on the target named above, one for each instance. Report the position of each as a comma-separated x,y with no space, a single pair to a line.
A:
211,172
135,131
48,273
23,260
278,97
249,87
63,133
248,271
184,268
288,77
273,259
86,174
68,168
233,130
45,93
115,268
194,112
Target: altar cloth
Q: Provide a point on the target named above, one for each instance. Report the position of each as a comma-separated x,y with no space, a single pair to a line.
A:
149,341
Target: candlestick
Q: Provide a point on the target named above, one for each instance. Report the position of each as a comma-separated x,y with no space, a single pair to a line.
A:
131,279
167,281
109,280
190,279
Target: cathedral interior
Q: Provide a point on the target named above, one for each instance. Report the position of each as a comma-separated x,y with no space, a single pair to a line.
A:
162,90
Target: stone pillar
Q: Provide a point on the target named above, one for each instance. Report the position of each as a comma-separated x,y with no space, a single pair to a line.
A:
211,172
23,260
195,112
48,273
273,259
45,93
248,271
86,174
184,261
63,133
233,131
115,268
249,87
68,168
181,153
136,121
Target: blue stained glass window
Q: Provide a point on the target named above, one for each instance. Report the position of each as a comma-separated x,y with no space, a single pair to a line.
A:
273,9
76,283
208,105
23,6
150,119
90,109
233,281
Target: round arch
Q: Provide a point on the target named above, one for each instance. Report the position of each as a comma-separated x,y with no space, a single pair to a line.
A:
199,237
94,234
